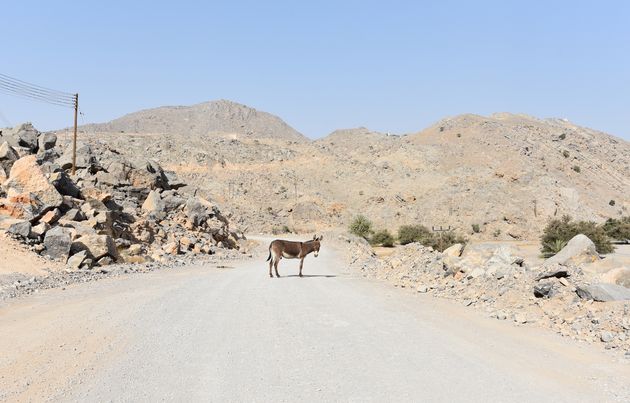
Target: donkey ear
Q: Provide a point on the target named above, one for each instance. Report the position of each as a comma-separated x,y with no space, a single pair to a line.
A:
315,237
321,237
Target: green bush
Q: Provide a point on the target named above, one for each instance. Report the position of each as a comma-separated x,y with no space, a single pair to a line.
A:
421,234
618,229
361,226
475,228
413,233
383,238
576,168
560,231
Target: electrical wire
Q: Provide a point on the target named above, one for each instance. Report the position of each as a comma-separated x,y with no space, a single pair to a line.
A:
19,88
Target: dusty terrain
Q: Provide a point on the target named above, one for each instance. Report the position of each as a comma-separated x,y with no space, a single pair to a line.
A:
234,334
507,173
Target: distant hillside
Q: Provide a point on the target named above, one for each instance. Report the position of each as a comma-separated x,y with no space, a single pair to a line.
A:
505,173
209,117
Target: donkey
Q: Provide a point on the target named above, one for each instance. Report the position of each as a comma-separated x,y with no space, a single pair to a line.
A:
279,249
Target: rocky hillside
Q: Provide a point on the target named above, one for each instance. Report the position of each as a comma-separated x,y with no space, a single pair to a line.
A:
210,117
506,173
111,210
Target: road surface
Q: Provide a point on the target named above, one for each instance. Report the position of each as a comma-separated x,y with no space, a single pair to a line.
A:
233,334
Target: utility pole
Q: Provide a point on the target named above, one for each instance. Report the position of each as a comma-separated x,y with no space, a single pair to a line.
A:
74,140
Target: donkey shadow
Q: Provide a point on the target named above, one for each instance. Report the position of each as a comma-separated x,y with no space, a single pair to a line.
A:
311,275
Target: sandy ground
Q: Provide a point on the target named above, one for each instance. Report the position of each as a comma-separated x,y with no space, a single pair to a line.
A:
233,334
15,258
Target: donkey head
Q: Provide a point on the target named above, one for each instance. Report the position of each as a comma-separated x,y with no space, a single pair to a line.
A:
316,244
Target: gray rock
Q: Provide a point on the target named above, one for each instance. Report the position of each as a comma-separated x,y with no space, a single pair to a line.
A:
544,290
26,136
40,229
604,292
20,228
74,215
554,270
47,141
7,157
57,243
64,185
607,337
580,249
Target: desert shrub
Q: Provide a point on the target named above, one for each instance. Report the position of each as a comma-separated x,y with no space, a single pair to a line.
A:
444,240
361,226
280,230
618,229
496,233
565,154
561,230
459,135
413,233
563,136
476,229
383,238
577,168
611,203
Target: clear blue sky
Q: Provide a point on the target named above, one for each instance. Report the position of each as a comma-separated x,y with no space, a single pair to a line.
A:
391,66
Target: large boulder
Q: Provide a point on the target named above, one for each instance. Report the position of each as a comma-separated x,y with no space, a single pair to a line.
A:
604,292
64,185
96,246
16,227
26,136
57,243
29,194
580,249
198,210
47,141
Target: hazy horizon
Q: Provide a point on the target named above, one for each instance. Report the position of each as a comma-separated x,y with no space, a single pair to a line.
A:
394,68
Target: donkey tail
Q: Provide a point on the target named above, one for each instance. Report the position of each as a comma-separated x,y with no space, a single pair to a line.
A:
269,257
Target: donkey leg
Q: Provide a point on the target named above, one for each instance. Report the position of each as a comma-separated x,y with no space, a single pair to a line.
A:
275,267
301,264
270,265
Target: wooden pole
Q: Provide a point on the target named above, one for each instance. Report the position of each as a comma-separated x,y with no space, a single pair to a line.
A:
74,140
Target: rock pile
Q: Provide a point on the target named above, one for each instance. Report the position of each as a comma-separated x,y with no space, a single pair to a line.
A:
111,210
560,296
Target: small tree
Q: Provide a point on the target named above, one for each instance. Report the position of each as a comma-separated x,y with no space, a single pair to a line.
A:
618,229
413,233
383,238
361,226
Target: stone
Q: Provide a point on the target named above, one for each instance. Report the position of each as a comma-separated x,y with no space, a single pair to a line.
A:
64,185
607,337
96,246
476,272
57,243
74,214
198,210
8,156
604,292
153,203
47,141
172,248
75,261
104,261
454,250
30,195
543,290
554,270
26,136
85,157
16,227
580,249
107,179
51,217
422,289
40,229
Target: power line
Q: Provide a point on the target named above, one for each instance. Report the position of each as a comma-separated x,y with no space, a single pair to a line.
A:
12,86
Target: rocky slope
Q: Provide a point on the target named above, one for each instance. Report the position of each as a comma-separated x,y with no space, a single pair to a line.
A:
210,117
506,173
112,210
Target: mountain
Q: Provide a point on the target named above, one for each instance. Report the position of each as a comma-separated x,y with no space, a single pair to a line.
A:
507,173
209,117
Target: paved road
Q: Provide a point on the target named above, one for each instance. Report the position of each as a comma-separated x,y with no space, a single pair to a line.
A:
233,334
